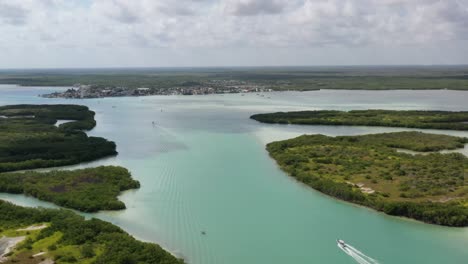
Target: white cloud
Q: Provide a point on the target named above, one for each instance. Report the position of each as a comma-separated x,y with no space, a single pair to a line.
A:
254,7
244,26
12,14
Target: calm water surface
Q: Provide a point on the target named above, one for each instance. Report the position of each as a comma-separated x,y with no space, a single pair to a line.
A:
204,167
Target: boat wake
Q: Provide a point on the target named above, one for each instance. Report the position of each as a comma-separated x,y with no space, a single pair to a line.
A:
357,255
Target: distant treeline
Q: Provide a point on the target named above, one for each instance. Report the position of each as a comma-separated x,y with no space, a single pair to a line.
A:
277,78
72,239
87,190
387,118
369,171
29,139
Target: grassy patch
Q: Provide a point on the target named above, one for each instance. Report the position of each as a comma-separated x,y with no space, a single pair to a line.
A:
43,245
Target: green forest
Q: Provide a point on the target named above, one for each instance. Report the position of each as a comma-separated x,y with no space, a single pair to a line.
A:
370,170
387,118
276,78
87,190
69,238
29,138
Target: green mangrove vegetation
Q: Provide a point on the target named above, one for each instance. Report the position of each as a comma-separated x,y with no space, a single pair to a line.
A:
276,78
65,237
388,118
369,170
87,190
29,138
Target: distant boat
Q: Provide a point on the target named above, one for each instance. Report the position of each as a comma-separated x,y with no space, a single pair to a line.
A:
203,232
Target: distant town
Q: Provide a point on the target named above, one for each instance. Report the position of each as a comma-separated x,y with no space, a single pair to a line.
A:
79,91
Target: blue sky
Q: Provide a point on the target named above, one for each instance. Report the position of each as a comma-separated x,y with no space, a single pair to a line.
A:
145,33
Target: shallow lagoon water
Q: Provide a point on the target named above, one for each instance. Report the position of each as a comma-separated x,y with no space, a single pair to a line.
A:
203,167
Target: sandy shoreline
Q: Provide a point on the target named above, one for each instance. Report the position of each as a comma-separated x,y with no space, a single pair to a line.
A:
33,227
7,244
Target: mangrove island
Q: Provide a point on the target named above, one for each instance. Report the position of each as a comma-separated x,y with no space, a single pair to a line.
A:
87,190
387,118
31,139
370,170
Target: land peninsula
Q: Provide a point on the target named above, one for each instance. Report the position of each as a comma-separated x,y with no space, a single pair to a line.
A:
387,118
31,139
370,170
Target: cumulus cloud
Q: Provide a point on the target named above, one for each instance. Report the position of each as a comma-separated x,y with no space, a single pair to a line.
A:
12,14
180,27
254,7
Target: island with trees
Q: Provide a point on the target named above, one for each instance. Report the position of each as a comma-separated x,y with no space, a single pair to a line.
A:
29,139
370,170
86,190
388,118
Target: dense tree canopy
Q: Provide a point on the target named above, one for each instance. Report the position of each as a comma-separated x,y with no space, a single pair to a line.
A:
388,118
70,238
369,170
29,139
87,190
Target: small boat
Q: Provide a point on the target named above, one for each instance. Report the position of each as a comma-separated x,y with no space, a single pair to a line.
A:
341,242
203,232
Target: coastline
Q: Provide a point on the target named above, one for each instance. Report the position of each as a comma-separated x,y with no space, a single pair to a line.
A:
60,96
116,177
349,203
341,166
211,256
36,203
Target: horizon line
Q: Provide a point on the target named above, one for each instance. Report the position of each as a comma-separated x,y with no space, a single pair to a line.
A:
233,66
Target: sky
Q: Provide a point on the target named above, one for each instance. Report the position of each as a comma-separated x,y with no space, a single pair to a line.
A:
205,33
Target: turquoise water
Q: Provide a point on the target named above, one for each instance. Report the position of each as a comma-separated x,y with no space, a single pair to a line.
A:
204,167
